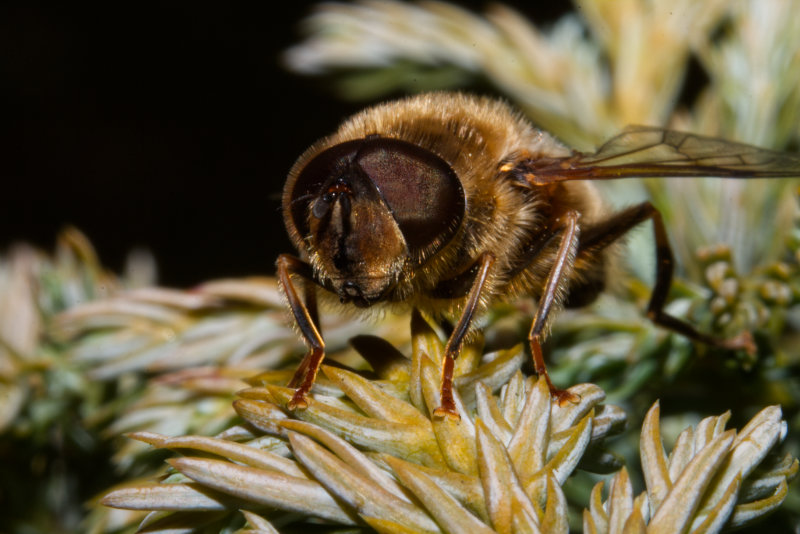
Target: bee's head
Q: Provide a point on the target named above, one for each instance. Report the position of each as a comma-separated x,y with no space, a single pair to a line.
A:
363,210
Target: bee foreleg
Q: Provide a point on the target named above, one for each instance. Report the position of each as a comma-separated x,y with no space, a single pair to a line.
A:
603,234
447,404
558,276
305,315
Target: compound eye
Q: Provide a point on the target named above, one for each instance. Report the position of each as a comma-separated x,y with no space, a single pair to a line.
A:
314,176
422,191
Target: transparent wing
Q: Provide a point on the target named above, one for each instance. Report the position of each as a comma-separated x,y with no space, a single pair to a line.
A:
642,152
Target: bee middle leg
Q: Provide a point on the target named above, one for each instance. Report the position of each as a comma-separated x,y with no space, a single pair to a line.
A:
306,317
559,273
600,235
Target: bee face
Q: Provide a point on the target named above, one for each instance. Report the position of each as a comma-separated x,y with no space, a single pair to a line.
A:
365,211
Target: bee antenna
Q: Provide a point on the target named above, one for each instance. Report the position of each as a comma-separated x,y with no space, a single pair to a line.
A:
302,198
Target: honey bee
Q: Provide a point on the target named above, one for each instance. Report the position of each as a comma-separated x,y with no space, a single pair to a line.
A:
448,203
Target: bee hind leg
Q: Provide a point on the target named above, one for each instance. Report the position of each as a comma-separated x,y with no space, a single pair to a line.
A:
603,234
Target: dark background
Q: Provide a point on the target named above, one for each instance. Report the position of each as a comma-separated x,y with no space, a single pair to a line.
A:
170,127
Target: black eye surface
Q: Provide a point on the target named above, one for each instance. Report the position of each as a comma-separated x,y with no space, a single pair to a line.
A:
422,191
315,175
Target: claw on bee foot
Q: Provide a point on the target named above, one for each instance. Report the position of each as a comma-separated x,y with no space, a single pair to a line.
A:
447,411
562,397
298,401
